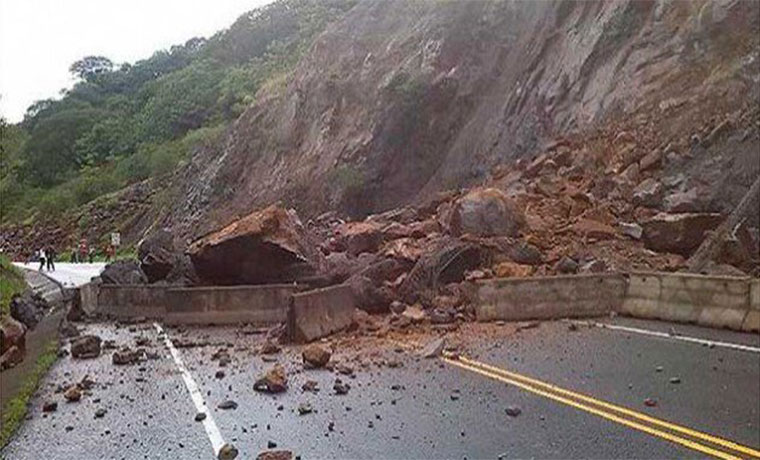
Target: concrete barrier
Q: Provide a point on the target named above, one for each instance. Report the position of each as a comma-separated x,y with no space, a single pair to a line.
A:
317,313
128,301
714,301
265,304
548,297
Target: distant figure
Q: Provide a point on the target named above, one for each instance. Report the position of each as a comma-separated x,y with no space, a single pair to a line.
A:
109,252
83,252
50,256
91,255
41,255
74,257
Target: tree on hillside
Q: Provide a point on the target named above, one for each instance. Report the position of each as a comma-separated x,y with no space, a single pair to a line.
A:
90,67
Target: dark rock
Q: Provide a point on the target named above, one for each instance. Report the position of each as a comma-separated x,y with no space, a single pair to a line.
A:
125,357
200,416
50,406
513,411
310,385
649,402
28,308
156,253
340,387
227,452
269,348
675,380
275,454
304,408
123,272
678,233
566,265
648,193
228,404
85,347
316,356
73,393
100,413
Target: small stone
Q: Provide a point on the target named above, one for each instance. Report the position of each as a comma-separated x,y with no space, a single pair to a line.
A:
658,369
675,380
649,402
271,444
340,387
200,416
316,356
513,411
73,394
227,452
269,348
304,408
228,404
274,381
219,374
50,406
100,413
275,455
310,385
433,349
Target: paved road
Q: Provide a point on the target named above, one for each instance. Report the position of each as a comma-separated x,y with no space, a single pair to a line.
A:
401,406
70,275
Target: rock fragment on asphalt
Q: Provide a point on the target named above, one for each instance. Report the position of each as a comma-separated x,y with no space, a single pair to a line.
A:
513,411
340,387
227,452
274,381
316,356
50,406
86,347
275,455
675,380
73,394
228,404
433,349
650,402
200,416
305,408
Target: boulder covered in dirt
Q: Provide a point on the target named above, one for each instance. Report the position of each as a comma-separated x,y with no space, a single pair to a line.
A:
273,381
86,347
123,272
486,212
28,308
678,233
267,246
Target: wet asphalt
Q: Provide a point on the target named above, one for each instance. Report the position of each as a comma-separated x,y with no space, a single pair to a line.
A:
421,408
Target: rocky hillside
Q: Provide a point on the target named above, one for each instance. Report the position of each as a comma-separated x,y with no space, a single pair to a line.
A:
397,101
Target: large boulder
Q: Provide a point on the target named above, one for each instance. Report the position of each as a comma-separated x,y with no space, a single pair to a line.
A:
123,272
156,253
678,233
28,308
12,342
267,246
485,212
359,237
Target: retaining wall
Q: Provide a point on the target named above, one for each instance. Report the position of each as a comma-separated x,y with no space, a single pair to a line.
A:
267,304
548,297
127,301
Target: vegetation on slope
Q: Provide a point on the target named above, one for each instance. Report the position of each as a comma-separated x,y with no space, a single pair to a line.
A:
122,124
11,283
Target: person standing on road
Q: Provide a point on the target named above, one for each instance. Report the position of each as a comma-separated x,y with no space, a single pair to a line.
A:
50,256
83,250
41,255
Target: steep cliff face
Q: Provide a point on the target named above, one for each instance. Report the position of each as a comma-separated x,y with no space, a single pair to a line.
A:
401,99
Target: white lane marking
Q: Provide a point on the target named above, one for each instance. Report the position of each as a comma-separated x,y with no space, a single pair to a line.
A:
214,435
635,330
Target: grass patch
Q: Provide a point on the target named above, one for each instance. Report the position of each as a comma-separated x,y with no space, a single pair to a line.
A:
11,283
15,410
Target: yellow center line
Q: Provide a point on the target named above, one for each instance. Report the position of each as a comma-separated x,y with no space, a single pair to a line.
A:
609,416
631,413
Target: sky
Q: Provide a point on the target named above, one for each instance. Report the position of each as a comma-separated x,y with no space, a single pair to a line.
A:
39,39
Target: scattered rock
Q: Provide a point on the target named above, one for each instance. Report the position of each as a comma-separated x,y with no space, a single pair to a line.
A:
227,452
316,356
275,455
227,404
86,347
675,380
28,308
269,348
648,193
513,411
274,381
649,402
50,406
219,374
414,313
632,230
340,387
200,416
100,413
310,385
566,265
73,394
125,357
433,349
512,270
304,408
